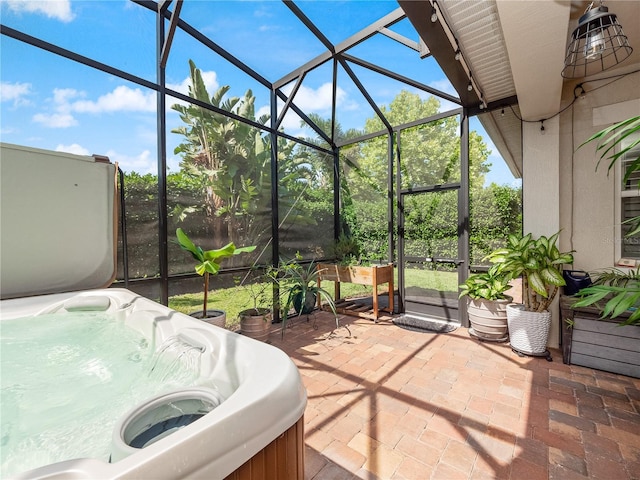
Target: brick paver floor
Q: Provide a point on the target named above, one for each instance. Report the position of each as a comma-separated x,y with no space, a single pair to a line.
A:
387,403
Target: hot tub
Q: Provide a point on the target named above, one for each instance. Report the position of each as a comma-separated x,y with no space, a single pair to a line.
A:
258,388
240,417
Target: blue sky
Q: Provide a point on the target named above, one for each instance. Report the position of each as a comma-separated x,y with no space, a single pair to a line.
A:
53,103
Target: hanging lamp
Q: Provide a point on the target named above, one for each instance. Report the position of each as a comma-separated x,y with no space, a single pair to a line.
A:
598,43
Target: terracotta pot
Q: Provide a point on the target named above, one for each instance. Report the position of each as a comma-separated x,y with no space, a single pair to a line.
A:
256,323
488,319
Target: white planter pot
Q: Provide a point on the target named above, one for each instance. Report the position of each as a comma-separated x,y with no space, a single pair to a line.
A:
528,331
214,317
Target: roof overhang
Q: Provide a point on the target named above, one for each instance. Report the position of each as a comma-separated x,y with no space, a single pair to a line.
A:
524,42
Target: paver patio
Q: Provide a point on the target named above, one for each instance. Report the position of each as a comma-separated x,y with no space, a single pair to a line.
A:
388,403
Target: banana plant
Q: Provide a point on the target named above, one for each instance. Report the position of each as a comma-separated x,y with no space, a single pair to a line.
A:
208,261
229,158
538,262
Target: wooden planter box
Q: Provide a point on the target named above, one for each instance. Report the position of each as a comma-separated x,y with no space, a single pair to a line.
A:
374,275
600,344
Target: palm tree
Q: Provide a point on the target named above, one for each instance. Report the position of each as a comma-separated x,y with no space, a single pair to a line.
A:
230,158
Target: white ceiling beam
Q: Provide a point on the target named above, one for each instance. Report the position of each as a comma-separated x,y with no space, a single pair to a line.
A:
535,33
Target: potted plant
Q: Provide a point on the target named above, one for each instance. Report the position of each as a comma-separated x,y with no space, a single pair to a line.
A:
619,290
539,263
487,304
347,250
208,263
299,286
350,268
255,322
601,323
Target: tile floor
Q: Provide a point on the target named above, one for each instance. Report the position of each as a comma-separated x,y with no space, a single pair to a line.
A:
387,403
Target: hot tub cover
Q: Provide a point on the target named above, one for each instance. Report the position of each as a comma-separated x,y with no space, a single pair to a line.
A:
58,219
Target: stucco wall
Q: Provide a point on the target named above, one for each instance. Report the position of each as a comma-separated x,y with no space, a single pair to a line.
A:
587,197
561,188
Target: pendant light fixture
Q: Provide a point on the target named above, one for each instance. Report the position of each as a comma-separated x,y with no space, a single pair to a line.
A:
597,43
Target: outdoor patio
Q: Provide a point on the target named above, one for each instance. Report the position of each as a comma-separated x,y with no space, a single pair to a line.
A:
387,403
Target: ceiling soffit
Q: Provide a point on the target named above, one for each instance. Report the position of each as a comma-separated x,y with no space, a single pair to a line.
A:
477,29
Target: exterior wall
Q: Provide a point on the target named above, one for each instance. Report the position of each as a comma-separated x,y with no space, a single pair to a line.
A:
588,197
541,191
561,188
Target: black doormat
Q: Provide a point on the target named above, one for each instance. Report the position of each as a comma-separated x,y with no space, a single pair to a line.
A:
425,325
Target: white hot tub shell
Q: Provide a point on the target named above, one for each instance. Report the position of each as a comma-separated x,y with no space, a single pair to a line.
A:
260,387
260,392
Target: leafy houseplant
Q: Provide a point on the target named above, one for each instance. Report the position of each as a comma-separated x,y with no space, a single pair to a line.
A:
299,285
347,250
487,304
489,285
618,289
539,263
208,261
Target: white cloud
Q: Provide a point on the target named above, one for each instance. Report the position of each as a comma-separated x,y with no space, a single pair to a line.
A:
7,130
262,12
15,92
55,120
67,101
264,110
291,122
62,96
182,87
57,9
121,99
210,79
142,163
268,28
310,100
61,117
73,148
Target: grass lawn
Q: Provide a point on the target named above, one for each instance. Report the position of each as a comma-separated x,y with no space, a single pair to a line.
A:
235,299
432,280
